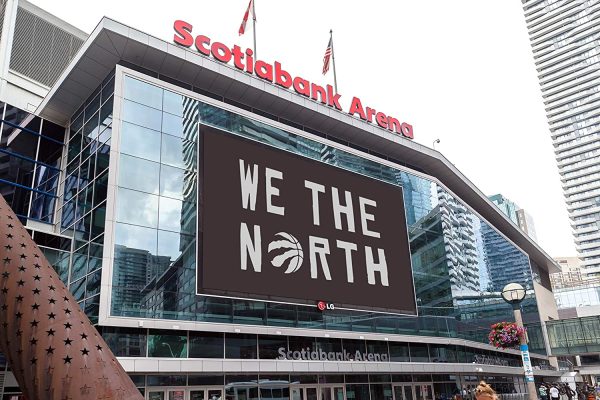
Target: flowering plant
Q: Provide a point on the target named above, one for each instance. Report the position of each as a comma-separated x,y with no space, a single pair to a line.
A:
505,335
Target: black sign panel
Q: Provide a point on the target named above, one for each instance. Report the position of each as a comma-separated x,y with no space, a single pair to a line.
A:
281,227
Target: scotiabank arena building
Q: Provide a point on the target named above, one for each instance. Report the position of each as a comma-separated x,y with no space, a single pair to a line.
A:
235,234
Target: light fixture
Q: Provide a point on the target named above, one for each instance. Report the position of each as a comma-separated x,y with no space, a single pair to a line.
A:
361,337
278,332
327,335
513,293
237,330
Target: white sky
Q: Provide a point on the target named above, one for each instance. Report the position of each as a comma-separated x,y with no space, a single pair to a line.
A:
461,71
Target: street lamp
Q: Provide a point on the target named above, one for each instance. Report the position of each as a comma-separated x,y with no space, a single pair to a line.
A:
513,294
434,142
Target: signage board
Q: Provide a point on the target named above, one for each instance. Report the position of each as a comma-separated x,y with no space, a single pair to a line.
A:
527,363
281,227
244,61
309,354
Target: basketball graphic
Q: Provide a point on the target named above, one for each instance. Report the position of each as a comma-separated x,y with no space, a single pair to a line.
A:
285,248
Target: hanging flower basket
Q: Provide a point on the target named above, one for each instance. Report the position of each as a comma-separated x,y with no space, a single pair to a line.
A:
505,335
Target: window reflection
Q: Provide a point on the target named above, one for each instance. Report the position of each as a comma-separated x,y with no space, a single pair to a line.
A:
141,115
138,174
137,208
140,142
455,255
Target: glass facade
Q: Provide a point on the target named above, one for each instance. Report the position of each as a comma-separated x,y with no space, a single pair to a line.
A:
85,185
324,387
574,336
580,296
456,256
30,153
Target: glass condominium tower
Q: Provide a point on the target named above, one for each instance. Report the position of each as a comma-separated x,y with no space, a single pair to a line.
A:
564,37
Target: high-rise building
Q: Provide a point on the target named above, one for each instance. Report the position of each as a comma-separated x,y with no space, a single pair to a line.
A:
570,274
564,37
516,214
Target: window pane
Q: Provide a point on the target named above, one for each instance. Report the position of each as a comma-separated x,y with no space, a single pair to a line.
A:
173,245
143,92
178,152
137,208
173,103
135,237
268,346
419,352
172,181
206,345
240,346
172,124
170,216
141,115
140,142
136,173
126,342
399,352
167,344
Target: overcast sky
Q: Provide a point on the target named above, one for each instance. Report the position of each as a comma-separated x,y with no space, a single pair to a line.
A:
459,71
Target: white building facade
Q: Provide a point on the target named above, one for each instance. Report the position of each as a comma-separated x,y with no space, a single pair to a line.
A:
564,37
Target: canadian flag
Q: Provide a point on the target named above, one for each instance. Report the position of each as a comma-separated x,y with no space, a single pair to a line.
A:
245,20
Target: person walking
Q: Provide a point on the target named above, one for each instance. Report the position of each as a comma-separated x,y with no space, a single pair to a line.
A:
485,392
569,392
554,392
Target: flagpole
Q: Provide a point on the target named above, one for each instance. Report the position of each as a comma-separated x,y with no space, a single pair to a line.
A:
333,61
254,27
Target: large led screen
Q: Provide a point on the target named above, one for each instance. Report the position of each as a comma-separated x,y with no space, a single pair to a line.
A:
281,227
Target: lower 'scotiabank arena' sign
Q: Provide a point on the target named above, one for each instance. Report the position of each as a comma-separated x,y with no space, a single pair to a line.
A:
281,227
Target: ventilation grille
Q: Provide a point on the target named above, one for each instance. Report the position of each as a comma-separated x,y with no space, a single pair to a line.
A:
41,50
2,10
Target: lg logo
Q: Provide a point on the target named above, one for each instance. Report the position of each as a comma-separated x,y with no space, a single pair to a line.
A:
322,306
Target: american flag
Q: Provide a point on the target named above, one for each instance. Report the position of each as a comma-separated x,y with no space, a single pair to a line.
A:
245,20
327,56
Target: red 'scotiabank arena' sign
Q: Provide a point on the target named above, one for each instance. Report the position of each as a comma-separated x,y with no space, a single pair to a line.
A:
274,73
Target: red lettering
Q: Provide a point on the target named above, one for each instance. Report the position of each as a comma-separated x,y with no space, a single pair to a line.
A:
407,130
244,61
381,120
238,57
221,52
264,70
356,107
302,86
200,41
370,113
282,77
184,30
334,100
393,124
249,61
320,91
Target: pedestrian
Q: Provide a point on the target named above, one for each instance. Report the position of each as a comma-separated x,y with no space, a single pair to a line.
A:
554,392
485,392
543,392
581,393
569,392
